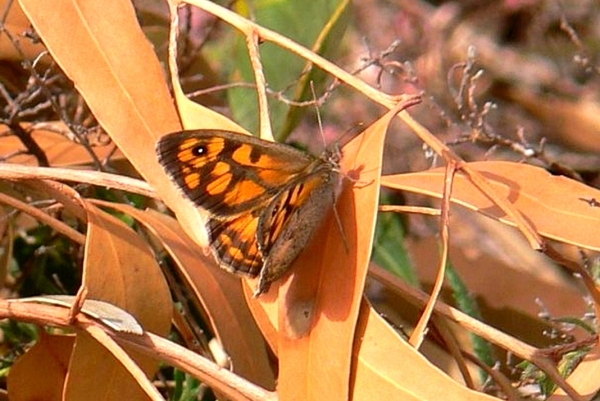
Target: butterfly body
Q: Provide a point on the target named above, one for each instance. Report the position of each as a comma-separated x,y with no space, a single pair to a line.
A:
264,199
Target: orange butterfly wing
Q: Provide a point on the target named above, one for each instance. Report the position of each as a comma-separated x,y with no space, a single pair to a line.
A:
233,242
228,173
264,199
288,223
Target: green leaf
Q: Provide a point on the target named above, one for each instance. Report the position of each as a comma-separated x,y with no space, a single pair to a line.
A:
318,25
466,303
388,248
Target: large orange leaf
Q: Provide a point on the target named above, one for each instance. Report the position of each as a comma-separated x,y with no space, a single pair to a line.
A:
318,306
390,369
219,292
40,373
558,207
119,268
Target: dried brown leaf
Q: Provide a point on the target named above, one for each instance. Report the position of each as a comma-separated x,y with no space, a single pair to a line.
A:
319,304
219,292
558,207
40,373
389,369
119,268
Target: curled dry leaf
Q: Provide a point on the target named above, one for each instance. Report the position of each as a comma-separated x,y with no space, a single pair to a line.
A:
110,315
558,207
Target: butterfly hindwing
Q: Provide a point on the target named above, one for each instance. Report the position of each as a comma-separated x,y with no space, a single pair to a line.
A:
233,242
288,222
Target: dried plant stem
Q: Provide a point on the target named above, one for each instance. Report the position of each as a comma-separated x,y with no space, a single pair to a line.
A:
18,173
495,336
453,348
39,215
419,333
222,380
410,209
265,129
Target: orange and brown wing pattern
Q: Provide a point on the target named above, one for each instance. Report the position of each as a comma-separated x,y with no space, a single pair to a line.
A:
233,242
228,173
265,242
280,212
290,220
264,199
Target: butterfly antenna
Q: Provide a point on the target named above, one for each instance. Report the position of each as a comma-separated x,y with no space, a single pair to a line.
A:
319,121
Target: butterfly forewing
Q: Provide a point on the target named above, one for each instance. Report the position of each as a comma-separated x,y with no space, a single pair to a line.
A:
227,173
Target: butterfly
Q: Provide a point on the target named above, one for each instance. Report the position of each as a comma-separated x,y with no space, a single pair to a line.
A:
264,199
